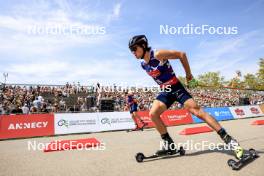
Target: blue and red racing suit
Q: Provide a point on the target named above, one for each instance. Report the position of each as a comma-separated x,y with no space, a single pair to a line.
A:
132,103
163,75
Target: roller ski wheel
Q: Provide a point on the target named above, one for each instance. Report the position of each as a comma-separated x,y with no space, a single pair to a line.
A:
232,163
253,153
181,151
140,157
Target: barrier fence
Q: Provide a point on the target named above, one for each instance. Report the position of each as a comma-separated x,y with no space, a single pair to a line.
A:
23,126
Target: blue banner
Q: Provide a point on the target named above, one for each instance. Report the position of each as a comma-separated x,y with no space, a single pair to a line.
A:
220,114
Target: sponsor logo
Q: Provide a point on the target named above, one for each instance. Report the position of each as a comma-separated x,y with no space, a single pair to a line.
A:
32,125
217,113
239,112
146,119
254,110
106,121
154,73
63,122
69,123
172,81
109,121
177,117
222,113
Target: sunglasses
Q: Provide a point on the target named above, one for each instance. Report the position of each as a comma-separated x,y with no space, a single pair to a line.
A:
133,48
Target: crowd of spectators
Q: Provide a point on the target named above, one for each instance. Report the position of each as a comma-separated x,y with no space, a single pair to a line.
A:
25,99
15,99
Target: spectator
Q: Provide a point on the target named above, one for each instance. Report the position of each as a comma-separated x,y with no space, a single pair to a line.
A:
25,109
37,103
17,110
33,110
44,109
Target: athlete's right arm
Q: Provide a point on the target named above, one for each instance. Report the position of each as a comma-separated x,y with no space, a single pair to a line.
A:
168,54
173,54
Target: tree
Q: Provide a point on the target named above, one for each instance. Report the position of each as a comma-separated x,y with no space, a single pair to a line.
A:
260,74
236,83
211,79
250,81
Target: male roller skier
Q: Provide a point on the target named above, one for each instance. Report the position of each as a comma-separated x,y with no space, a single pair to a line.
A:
157,65
133,108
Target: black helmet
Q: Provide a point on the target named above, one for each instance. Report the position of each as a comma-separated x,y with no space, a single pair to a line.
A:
140,40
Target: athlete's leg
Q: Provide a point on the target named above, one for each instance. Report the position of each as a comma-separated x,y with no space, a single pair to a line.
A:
133,116
192,106
196,110
156,110
136,116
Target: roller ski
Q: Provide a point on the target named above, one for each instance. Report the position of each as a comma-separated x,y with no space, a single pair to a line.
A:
140,157
243,157
138,128
168,149
142,127
246,158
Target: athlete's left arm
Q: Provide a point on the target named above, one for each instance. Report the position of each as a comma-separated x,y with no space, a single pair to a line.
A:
172,54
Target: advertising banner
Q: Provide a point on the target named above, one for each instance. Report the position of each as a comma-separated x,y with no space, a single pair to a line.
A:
245,111
19,126
169,117
144,115
220,114
176,117
76,123
109,121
